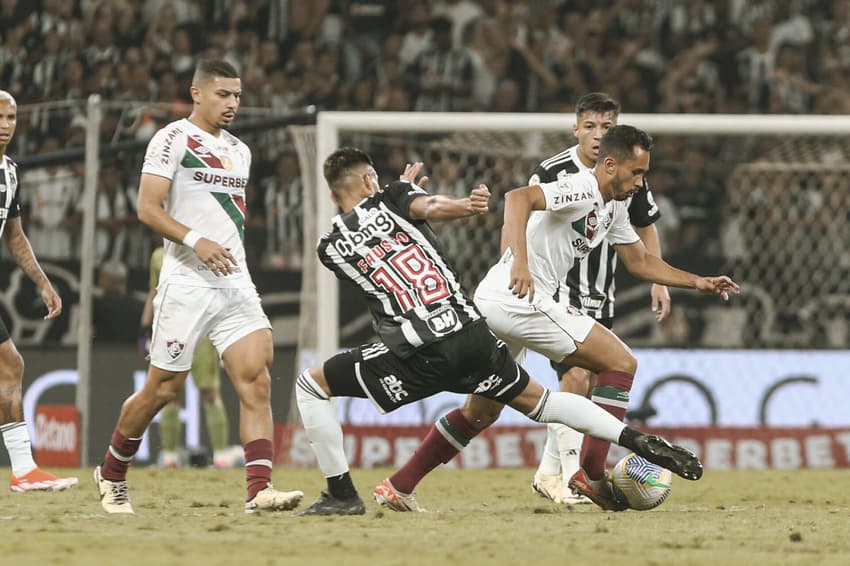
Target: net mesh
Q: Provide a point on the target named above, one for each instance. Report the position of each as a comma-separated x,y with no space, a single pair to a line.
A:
769,210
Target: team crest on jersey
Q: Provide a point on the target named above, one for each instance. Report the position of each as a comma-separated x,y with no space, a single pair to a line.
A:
174,348
588,225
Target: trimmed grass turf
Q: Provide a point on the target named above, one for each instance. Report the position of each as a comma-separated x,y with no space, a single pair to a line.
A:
195,516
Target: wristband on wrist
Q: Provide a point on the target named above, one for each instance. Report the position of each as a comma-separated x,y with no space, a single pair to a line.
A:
191,238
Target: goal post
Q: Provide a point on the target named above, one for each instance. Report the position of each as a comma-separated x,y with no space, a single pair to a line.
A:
526,133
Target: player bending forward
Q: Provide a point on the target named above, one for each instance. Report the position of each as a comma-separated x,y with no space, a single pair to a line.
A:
518,298
199,171
433,338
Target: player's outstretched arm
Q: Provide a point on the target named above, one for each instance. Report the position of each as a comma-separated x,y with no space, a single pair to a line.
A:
644,265
440,207
20,248
153,190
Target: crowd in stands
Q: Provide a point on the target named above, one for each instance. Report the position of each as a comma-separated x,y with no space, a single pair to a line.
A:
730,56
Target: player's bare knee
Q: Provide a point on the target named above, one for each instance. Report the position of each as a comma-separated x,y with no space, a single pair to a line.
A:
576,380
256,386
628,363
481,413
166,392
11,368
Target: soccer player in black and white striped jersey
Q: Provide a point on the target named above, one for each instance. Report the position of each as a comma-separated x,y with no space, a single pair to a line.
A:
26,475
590,284
433,337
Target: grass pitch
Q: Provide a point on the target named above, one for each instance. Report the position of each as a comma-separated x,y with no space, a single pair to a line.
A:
475,517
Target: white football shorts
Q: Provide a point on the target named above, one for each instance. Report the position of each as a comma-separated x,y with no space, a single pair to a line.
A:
184,314
547,327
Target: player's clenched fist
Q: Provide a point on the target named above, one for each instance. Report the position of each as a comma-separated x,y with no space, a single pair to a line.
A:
478,199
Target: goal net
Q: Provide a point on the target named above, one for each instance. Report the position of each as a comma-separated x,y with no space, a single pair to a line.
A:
762,198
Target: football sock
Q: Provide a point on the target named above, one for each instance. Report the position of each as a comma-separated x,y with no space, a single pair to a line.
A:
17,440
216,424
118,456
341,486
612,394
169,427
577,412
550,461
258,465
569,447
318,413
445,439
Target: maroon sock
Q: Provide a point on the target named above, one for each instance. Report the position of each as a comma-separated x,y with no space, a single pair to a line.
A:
258,465
444,440
611,390
118,456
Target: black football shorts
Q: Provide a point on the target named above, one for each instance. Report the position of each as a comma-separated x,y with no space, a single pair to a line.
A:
470,361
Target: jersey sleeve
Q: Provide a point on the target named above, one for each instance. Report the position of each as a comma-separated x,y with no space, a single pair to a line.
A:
14,206
643,211
621,231
541,175
399,195
567,195
163,154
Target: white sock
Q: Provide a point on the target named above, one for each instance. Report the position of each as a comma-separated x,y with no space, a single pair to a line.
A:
569,449
17,439
323,430
579,413
550,462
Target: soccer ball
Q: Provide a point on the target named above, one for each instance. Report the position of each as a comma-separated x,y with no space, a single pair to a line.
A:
640,484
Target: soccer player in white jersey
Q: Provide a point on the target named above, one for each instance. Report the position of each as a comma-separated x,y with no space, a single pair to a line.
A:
547,227
432,336
26,476
590,285
192,191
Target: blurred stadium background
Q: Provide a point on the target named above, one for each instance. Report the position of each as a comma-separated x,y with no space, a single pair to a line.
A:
758,382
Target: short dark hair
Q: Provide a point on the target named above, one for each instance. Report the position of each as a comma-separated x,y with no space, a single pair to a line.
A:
340,162
208,68
598,103
619,142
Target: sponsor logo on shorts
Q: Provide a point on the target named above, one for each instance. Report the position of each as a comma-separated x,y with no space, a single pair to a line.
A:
393,388
593,301
490,383
174,348
443,322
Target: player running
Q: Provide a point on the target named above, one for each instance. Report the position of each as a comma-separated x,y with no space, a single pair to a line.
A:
547,227
433,338
192,191
590,285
